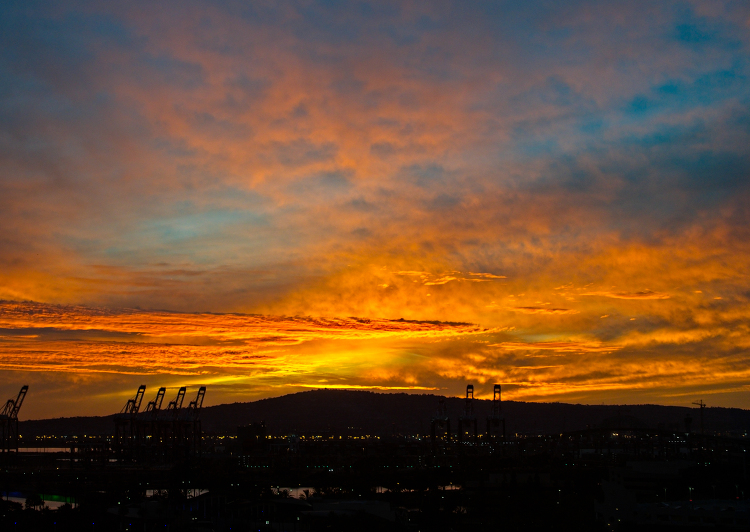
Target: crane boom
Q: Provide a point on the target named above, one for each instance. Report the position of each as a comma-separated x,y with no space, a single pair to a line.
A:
155,404
134,405
12,407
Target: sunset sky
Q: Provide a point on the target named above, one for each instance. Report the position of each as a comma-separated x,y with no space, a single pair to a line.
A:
270,197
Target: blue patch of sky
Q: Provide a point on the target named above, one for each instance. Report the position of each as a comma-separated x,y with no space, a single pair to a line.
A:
570,175
18,95
741,120
681,136
105,28
694,34
668,187
700,33
640,105
176,72
66,44
674,154
706,89
701,88
332,22
528,31
199,224
60,49
592,125
412,33
713,174
667,174
195,233
570,111
532,145
553,91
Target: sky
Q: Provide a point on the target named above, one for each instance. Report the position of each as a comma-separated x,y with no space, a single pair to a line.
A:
271,197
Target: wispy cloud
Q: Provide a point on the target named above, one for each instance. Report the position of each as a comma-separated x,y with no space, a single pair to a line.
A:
645,294
563,347
544,310
432,279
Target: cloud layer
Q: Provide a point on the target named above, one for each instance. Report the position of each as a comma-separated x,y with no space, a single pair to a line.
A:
572,177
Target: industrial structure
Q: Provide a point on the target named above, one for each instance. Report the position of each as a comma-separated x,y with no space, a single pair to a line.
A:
339,466
496,421
467,423
125,426
157,435
9,422
440,425
701,406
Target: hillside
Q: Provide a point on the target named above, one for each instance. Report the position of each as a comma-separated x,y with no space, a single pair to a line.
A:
360,412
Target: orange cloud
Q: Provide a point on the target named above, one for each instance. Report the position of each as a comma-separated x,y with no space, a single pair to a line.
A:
573,347
543,310
289,176
645,294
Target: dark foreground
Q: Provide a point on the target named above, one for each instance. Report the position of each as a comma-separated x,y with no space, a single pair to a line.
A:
593,480
340,461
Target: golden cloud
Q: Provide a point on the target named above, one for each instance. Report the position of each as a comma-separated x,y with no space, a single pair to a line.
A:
645,294
543,310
